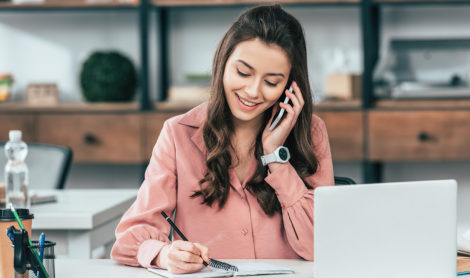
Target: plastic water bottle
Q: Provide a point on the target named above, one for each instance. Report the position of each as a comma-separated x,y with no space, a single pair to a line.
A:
16,171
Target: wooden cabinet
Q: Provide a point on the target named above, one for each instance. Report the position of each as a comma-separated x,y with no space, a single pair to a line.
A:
429,135
103,138
23,122
346,134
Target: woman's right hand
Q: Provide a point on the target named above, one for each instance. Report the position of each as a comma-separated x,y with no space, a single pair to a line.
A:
182,257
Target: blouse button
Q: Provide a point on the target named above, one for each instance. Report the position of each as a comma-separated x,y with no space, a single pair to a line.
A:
244,231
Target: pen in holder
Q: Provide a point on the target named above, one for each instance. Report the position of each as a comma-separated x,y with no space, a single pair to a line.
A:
26,262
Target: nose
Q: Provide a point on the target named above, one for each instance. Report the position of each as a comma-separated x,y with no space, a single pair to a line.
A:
252,89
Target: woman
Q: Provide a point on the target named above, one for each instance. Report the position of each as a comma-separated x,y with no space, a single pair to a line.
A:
208,163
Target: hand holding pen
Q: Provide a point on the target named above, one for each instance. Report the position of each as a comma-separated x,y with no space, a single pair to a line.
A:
182,256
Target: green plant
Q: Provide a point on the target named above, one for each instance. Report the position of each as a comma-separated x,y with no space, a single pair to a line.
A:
108,76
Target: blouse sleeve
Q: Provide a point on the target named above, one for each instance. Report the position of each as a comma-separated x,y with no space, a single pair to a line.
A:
296,200
142,231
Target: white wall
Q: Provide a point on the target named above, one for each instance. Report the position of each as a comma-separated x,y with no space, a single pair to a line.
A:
50,46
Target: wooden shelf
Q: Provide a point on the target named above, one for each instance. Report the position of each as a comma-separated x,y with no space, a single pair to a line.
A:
169,3
71,107
337,105
66,5
423,104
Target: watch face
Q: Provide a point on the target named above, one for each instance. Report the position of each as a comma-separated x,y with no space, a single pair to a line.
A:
283,154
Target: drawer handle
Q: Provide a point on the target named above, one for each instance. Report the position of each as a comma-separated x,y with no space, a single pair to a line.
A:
90,139
424,137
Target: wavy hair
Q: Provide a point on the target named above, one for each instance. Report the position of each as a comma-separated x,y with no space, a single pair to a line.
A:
274,26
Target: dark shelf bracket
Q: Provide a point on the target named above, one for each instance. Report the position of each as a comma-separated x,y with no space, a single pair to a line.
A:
145,103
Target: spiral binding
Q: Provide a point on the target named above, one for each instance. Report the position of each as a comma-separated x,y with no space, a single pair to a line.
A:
222,265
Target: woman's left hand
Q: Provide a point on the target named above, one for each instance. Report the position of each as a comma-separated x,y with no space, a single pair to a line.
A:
272,139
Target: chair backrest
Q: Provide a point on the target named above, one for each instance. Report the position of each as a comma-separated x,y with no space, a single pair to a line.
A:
48,165
343,180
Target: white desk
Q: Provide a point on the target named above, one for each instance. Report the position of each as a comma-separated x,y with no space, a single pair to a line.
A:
109,268
81,220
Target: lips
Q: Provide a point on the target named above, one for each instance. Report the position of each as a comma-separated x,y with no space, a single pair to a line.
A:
245,104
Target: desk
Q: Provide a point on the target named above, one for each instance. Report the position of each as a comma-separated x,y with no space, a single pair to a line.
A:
107,268
81,220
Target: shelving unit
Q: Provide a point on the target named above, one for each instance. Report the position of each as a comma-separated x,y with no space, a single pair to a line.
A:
356,128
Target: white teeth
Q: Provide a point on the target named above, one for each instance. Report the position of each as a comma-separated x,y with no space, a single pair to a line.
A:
246,102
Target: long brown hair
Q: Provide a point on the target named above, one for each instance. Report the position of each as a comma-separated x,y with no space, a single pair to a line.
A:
274,26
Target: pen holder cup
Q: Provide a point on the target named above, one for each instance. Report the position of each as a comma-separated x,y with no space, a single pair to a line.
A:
48,260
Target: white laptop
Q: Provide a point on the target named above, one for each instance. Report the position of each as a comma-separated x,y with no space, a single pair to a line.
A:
388,230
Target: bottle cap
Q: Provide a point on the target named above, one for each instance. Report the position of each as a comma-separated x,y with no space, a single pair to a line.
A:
15,135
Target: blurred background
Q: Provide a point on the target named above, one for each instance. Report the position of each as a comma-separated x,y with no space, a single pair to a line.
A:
390,78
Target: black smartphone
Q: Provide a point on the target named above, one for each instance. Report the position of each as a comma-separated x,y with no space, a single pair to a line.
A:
278,117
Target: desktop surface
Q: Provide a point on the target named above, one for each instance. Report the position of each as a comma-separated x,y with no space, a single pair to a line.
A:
72,268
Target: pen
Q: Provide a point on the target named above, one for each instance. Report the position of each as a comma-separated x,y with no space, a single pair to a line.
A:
181,235
15,214
42,241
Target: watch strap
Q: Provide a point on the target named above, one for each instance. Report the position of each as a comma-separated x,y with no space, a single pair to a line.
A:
266,159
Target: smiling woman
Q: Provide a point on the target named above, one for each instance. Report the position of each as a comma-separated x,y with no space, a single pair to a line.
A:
241,189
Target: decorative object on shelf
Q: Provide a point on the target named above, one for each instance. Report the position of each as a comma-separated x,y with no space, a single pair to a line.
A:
42,94
343,86
193,94
6,80
424,69
108,76
195,90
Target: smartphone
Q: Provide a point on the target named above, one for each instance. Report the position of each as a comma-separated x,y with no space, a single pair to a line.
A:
277,118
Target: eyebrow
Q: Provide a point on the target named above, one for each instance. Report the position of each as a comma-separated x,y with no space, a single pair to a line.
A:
250,67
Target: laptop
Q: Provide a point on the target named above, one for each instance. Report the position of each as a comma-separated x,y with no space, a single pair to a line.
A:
387,230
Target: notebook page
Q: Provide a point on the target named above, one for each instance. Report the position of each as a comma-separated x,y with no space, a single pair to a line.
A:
201,274
258,268
245,269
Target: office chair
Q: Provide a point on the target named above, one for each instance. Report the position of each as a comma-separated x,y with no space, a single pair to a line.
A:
343,181
48,165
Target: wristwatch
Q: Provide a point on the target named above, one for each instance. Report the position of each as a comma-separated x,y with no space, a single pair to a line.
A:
281,154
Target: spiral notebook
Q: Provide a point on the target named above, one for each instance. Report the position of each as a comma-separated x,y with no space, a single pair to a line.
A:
245,269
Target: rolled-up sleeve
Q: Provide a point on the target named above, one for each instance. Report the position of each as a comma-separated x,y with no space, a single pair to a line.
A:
296,200
142,231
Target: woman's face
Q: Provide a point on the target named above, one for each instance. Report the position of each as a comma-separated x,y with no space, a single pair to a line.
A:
255,76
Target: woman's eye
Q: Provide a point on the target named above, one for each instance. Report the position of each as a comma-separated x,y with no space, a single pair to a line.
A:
270,84
242,73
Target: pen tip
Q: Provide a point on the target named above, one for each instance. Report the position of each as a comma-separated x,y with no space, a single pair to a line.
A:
11,207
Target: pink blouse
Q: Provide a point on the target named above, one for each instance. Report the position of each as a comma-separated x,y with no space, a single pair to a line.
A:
240,229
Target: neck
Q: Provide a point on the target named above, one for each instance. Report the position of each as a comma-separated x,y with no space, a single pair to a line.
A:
244,135
247,129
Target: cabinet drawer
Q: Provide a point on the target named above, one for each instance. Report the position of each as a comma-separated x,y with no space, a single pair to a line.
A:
419,135
346,133
25,123
110,138
153,124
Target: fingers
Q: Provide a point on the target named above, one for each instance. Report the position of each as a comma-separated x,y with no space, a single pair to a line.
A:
185,257
298,94
296,98
204,252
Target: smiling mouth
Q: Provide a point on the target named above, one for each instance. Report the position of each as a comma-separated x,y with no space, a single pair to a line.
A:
247,103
